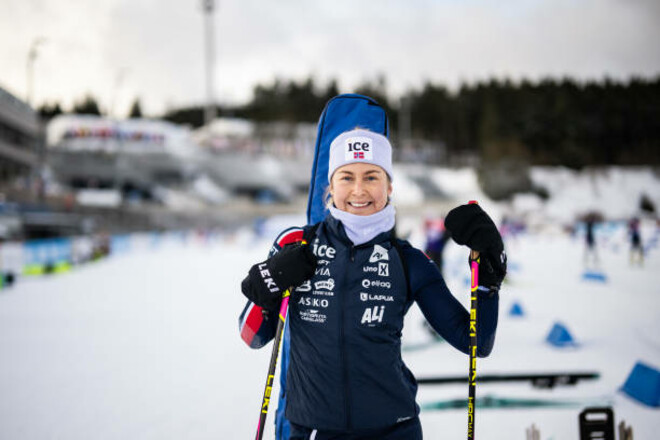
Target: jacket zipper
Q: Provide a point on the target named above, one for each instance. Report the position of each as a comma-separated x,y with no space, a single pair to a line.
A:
344,352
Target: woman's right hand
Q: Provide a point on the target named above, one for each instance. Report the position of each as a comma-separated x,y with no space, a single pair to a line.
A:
267,281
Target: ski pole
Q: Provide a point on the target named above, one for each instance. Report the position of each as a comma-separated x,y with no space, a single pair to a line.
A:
472,375
265,401
270,378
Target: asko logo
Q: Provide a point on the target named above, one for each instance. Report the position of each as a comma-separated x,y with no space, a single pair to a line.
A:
313,302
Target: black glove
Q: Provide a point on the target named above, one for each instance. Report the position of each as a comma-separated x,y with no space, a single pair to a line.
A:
267,281
488,278
470,225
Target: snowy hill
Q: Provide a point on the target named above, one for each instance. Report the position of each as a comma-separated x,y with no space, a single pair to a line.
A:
615,192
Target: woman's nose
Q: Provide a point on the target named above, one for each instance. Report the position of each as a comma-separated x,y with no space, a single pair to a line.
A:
358,187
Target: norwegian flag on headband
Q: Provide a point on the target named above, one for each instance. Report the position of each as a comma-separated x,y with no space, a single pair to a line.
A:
358,155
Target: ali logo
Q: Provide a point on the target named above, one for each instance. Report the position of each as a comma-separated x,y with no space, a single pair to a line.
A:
373,314
379,253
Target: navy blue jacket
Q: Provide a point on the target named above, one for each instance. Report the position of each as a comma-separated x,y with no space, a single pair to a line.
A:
345,369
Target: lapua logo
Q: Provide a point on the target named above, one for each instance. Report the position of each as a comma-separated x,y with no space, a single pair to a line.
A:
367,297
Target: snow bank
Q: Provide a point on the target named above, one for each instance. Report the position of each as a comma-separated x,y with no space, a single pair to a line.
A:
616,192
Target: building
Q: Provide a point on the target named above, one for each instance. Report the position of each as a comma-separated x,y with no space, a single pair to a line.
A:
20,138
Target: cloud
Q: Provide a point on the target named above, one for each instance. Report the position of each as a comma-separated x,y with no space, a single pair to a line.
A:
119,49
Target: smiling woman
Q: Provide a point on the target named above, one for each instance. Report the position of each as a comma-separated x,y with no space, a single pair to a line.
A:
360,172
360,189
350,289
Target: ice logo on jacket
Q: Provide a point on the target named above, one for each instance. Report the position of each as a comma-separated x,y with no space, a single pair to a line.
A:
379,253
323,251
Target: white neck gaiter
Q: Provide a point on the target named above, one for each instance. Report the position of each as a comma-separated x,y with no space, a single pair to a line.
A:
362,228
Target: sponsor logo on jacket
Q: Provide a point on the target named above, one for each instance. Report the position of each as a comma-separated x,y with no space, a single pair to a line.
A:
313,316
313,302
304,287
323,250
366,283
382,270
328,284
322,271
379,253
368,297
372,315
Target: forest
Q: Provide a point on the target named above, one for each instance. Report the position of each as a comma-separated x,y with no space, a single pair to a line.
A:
547,122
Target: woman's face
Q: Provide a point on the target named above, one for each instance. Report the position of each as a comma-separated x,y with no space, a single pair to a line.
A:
360,188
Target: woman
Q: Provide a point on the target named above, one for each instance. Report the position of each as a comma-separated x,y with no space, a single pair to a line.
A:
354,283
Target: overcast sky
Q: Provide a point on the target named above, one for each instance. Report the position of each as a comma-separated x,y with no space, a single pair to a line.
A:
119,50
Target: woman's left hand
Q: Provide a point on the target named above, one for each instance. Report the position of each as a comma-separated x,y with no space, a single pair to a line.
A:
470,225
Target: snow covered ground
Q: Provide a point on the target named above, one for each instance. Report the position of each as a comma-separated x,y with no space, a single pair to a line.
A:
145,345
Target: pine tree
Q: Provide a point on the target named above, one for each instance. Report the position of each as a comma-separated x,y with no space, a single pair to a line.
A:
136,110
87,106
